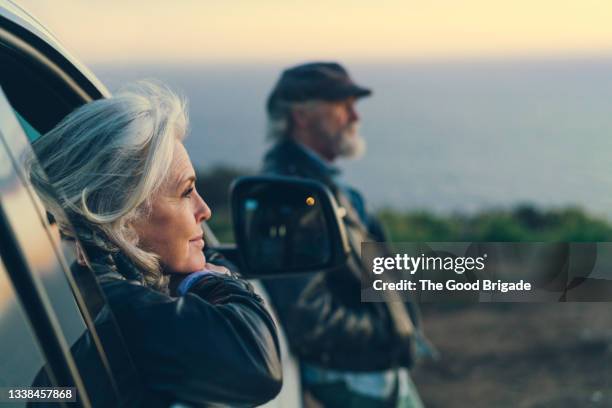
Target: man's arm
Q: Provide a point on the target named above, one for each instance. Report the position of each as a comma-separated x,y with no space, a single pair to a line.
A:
326,322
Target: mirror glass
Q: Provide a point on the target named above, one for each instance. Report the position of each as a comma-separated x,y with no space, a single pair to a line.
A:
283,228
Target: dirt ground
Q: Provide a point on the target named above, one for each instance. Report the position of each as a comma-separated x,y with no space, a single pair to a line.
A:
518,355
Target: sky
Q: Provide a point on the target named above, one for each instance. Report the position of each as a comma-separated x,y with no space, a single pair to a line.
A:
190,31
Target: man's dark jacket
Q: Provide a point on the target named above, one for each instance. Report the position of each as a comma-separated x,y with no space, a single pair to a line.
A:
325,320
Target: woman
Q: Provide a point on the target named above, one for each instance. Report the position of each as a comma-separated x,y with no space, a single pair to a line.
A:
115,175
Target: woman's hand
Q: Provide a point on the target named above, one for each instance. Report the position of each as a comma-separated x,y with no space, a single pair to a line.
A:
177,278
216,268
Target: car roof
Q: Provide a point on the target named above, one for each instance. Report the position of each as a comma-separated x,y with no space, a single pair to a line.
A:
19,16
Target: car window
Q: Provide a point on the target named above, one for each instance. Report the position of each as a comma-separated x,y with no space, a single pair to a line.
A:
35,93
29,130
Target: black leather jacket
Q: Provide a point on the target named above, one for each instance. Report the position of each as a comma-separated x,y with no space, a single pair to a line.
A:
325,321
215,346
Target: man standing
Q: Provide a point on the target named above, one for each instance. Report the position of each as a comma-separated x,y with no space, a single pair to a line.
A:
351,353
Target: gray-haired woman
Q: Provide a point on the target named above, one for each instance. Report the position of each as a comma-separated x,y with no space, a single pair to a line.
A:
115,175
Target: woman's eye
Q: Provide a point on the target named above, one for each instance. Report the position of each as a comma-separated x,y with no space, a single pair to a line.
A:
188,192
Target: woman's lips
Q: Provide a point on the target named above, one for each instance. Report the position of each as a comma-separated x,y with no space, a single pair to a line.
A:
197,242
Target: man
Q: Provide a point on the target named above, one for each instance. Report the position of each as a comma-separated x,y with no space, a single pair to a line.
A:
351,353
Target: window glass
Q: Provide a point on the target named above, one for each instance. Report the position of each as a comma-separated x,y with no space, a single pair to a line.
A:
37,95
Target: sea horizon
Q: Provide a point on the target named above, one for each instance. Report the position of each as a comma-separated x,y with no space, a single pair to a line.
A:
444,136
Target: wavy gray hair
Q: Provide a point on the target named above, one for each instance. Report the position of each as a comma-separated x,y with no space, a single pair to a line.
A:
98,169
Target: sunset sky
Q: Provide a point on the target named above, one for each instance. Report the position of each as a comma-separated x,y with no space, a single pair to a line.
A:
268,31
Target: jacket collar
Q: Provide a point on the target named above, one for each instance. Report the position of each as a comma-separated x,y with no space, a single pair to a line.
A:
318,161
296,158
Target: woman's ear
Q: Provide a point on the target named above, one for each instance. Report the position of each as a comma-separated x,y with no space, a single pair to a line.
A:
135,223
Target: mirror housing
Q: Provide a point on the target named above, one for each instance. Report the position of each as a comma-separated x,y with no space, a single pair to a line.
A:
285,225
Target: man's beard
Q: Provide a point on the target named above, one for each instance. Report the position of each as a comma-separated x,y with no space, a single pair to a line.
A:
348,143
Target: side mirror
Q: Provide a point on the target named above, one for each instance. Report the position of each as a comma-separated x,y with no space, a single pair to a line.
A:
286,225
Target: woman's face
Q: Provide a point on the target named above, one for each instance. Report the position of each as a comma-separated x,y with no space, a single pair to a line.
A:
173,231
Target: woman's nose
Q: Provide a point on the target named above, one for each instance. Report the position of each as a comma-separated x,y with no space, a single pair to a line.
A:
203,212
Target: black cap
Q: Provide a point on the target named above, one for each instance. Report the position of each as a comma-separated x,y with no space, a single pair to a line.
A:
327,81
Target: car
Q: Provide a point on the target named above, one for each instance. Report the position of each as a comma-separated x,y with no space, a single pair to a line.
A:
44,307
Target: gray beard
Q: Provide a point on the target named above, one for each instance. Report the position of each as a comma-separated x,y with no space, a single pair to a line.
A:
350,144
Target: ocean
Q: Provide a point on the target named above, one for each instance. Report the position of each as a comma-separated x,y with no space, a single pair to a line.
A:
442,136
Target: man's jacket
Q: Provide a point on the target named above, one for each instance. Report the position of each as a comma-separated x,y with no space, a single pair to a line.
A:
322,313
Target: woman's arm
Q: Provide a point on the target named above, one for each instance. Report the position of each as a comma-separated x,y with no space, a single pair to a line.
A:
216,344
